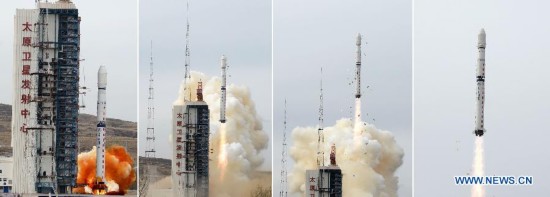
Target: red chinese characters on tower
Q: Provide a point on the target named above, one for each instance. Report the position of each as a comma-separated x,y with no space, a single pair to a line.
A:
27,41
25,113
27,26
26,84
312,186
26,70
26,56
23,128
25,98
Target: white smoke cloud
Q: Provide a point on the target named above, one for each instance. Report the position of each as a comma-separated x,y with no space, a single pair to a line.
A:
245,137
367,156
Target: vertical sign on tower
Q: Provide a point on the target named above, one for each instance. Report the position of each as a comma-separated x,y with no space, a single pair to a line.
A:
23,138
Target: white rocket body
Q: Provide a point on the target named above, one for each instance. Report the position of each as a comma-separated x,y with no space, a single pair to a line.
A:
101,119
480,78
223,91
358,69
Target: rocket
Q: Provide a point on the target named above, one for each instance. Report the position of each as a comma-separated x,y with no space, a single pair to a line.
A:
223,89
101,110
358,65
480,78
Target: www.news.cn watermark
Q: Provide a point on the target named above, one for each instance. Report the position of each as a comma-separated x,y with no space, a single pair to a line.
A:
493,180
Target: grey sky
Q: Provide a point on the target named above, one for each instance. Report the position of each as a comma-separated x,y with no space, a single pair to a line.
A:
309,34
239,29
516,83
108,37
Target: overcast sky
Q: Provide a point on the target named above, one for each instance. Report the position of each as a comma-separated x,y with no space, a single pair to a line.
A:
240,29
108,37
517,107
309,34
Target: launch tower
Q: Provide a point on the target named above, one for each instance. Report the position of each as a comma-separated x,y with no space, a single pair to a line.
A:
46,90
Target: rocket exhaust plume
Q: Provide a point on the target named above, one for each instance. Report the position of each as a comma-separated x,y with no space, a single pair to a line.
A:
119,172
222,160
478,190
242,141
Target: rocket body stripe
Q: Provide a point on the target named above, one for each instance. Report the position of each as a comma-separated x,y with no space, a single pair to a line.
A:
223,89
101,119
480,80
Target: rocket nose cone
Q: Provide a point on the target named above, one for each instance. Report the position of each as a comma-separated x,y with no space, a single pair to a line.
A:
223,61
102,77
481,38
102,69
358,39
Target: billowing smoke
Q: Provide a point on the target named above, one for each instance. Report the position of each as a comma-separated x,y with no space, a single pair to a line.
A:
477,166
243,139
367,156
119,173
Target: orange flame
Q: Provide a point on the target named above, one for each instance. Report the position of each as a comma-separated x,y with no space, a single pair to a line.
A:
118,168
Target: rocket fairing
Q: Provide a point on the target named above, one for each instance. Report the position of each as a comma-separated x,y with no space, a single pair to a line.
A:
101,116
480,78
358,69
223,89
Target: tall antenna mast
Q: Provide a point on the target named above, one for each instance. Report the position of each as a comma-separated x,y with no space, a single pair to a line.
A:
150,149
150,137
284,182
187,56
320,132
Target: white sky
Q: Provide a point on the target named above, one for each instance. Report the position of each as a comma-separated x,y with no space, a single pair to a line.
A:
516,98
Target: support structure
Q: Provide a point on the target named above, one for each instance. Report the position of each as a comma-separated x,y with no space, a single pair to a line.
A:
325,181
46,108
320,132
191,147
187,56
284,175
150,133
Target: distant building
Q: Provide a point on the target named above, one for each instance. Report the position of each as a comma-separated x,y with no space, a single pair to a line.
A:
46,91
6,174
190,131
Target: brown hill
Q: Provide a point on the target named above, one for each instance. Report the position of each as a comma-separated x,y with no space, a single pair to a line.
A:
119,132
